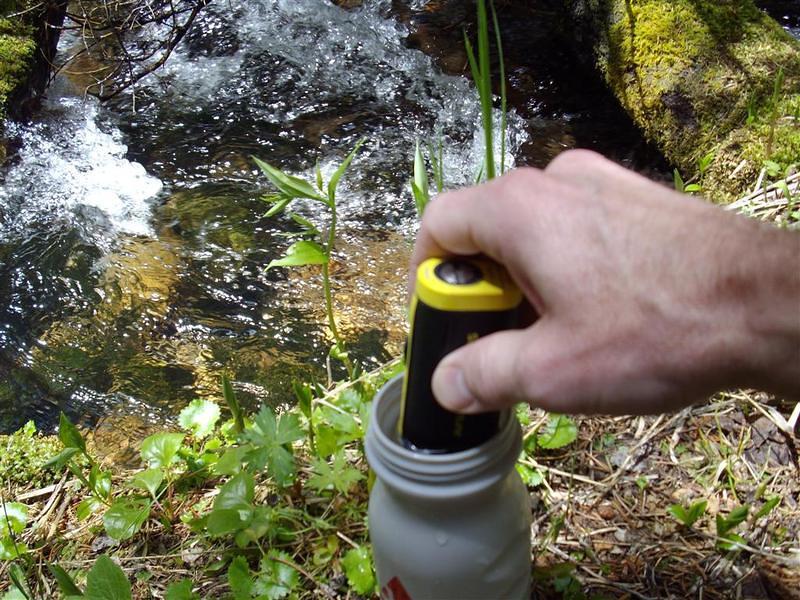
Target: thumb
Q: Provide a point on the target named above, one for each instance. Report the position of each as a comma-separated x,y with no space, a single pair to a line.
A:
487,374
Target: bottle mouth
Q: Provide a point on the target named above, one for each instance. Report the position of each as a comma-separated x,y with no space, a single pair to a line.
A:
431,475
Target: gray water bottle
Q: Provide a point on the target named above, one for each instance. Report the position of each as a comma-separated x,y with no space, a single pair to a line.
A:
452,525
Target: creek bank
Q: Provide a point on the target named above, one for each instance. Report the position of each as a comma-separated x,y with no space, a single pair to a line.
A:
701,79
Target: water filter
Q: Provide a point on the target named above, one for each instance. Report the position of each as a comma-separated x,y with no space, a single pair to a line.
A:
449,516
455,301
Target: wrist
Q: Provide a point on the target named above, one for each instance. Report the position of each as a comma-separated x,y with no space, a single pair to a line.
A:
765,285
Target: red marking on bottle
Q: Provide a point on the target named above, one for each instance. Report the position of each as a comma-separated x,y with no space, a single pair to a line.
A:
394,590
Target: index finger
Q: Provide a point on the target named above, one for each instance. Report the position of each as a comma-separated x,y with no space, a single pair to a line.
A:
485,219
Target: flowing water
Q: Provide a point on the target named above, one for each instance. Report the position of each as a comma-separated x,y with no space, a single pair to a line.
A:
132,235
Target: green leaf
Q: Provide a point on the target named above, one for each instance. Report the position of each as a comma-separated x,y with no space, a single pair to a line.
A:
106,581
705,162
301,253
88,507
324,553
559,431
769,505
199,417
357,565
689,516
333,183
237,493
64,581
278,207
233,404
181,590
224,521
318,176
677,181
289,429
773,168
530,477
262,522
125,517
734,518
290,186
61,459
302,391
13,516
69,434
230,463
335,429
100,482
732,542
692,188
9,550
160,449
149,480
276,579
269,435
503,91
14,594
339,476
309,228
240,579
419,186
20,580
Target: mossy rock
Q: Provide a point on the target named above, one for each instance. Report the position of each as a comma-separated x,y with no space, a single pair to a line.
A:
17,52
29,32
699,78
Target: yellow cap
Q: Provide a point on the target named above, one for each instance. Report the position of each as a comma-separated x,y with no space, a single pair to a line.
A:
491,290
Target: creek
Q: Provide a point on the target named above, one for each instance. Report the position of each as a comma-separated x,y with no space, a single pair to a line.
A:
132,235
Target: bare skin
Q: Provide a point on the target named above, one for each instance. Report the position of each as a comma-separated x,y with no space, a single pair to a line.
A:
648,300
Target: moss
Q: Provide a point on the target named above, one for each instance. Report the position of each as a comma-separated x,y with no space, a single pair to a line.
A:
22,456
17,50
688,71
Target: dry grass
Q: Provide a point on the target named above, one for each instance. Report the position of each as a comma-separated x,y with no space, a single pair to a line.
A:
609,492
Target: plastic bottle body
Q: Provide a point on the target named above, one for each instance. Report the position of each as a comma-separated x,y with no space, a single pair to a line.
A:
451,525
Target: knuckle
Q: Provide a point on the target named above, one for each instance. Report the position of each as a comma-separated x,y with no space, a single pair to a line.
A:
571,161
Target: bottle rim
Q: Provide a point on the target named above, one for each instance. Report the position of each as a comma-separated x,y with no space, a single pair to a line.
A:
435,475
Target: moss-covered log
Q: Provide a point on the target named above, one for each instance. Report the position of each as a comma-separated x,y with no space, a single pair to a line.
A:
702,78
28,37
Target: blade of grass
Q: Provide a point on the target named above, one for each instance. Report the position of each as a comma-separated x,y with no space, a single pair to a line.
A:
486,86
503,98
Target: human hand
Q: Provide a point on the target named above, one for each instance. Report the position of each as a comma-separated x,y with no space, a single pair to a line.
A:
648,300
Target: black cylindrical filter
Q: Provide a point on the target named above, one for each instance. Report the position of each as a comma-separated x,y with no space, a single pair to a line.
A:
455,302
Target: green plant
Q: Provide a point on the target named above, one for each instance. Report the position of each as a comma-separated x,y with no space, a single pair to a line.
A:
313,248
682,186
726,524
688,516
23,454
559,431
171,463
357,563
13,520
482,76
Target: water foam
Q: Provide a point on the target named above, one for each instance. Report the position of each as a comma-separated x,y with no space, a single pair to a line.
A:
296,60
70,168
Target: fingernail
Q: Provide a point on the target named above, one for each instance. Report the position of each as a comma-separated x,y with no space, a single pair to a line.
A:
450,389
